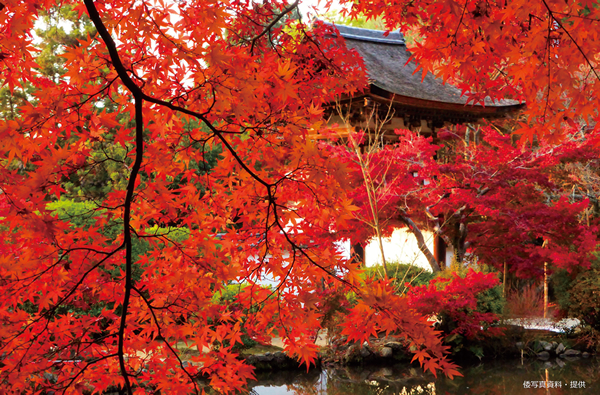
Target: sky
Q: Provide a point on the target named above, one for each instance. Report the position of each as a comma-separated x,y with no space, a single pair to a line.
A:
316,8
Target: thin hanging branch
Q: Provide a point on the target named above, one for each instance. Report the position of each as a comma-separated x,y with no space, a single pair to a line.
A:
560,24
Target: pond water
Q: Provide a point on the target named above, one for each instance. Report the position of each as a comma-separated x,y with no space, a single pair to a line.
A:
555,376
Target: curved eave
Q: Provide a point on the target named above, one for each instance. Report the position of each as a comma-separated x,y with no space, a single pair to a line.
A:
482,111
437,111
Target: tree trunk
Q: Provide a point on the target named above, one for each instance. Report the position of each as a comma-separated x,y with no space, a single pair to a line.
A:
435,266
459,244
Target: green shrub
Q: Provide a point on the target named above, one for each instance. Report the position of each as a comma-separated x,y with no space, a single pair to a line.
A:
577,293
560,286
401,273
228,293
84,214
584,296
226,296
466,305
491,301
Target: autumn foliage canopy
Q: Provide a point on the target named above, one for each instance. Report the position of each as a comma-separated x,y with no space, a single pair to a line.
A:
202,112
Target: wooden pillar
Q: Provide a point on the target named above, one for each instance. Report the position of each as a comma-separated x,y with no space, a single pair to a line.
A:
545,245
358,253
504,281
439,251
545,289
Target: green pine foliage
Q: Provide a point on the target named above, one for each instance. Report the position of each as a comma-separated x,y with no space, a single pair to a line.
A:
83,215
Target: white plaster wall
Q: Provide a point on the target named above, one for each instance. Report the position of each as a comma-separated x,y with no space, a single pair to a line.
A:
401,247
449,255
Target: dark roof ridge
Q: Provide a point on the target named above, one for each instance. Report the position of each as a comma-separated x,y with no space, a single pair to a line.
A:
390,69
369,35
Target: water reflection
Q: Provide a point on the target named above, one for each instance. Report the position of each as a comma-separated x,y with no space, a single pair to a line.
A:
489,378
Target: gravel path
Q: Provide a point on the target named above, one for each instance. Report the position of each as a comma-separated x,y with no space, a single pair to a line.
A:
564,325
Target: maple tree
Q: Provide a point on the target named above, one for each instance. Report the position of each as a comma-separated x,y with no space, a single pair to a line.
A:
487,198
362,153
392,176
501,201
203,110
454,300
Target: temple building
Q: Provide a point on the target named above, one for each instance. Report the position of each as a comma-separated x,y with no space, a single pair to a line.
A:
403,99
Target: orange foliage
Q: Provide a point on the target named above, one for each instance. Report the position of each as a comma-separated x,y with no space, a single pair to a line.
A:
182,79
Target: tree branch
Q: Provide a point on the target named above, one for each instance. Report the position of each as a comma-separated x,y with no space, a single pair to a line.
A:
559,23
268,28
